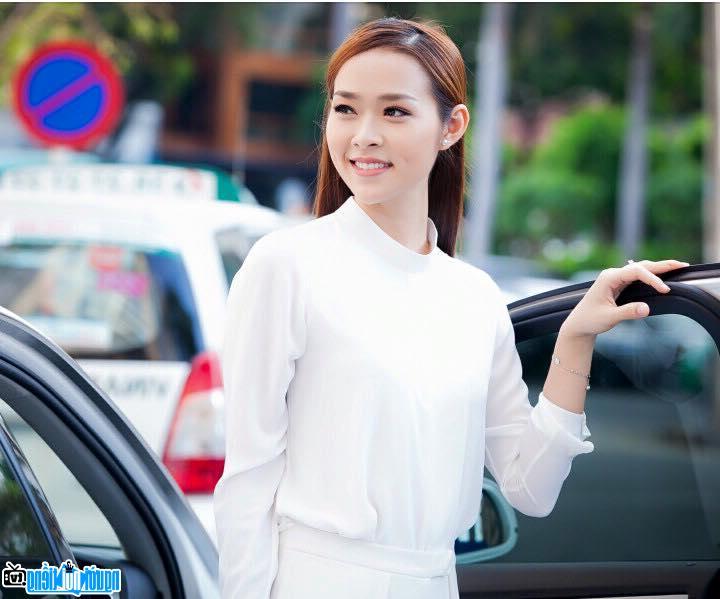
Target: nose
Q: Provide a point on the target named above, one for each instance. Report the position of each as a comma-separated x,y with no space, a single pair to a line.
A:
367,134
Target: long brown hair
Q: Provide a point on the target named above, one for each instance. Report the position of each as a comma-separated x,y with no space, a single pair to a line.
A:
427,42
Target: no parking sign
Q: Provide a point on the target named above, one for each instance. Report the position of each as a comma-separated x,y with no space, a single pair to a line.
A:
68,94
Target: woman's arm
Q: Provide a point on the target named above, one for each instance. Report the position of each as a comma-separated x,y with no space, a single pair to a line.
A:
529,450
563,388
264,335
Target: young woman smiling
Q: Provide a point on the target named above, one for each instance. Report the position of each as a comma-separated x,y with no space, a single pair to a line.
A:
369,374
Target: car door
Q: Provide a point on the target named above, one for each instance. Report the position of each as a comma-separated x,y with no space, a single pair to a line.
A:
112,503
640,515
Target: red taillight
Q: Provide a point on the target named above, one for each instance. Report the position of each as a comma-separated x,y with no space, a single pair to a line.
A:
195,449
196,475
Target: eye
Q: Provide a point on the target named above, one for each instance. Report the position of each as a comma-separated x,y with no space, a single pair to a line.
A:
340,108
404,112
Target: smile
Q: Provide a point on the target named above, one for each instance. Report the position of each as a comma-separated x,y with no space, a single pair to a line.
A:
368,170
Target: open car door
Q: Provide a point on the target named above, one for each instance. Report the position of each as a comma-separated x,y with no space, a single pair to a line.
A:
640,515
77,482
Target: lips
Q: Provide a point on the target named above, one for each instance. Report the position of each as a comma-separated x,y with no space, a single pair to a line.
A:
369,160
370,172
366,160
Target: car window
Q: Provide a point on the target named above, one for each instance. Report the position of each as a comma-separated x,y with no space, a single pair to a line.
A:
651,488
20,533
103,301
81,521
233,244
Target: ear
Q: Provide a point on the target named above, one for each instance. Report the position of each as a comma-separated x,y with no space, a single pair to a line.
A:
456,127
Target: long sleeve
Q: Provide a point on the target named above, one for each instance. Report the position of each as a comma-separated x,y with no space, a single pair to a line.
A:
529,450
265,333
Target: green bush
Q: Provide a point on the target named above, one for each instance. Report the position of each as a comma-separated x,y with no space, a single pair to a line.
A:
536,202
588,142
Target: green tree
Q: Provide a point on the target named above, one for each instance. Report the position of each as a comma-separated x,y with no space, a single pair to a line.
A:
566,190
564,50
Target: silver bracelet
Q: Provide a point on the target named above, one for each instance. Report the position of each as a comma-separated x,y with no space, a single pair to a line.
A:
556,361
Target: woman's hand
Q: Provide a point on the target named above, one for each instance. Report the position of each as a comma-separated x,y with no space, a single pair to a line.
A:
597,312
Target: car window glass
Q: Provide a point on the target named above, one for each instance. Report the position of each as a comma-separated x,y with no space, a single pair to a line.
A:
651,488
80,520
234,245
102,301
20,533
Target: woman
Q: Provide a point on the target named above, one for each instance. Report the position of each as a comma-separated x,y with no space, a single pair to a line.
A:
369,374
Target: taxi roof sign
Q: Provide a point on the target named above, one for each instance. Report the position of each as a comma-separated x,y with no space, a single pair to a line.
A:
109,180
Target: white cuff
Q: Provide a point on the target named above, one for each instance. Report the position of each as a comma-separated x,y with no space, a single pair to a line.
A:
572,426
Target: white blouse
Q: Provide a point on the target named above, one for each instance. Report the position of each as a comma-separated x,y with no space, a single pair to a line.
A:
366,387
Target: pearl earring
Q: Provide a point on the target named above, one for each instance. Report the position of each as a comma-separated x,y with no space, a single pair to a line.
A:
445,141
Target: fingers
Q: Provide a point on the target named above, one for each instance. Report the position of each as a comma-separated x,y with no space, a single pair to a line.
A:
662,265
644,271
640,272
666,265
653,280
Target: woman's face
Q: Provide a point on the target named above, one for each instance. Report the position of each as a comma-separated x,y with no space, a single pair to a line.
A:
405,132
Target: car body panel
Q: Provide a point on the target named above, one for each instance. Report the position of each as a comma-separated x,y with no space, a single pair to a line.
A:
146,392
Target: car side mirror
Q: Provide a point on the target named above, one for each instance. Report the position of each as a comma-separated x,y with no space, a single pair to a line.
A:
493,534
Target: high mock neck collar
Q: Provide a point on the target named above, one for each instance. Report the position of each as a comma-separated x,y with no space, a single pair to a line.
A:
370,234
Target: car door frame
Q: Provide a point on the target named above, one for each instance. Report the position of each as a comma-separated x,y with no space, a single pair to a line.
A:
35,499
51,392
543,314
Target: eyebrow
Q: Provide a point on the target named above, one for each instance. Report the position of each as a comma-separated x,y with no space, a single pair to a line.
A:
354,96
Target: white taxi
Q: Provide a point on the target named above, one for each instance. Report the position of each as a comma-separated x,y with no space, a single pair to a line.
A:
134,288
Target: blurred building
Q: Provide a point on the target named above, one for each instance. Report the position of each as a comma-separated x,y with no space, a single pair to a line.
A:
256,110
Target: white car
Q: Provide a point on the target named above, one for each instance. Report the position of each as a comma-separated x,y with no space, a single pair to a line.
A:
135,290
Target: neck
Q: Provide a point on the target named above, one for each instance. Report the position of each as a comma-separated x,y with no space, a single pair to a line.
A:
403,220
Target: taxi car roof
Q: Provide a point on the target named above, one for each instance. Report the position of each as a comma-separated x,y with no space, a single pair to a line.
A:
160,220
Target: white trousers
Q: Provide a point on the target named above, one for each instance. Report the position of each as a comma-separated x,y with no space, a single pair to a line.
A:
316,564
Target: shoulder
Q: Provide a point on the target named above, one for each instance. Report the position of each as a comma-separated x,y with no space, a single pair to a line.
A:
289,249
